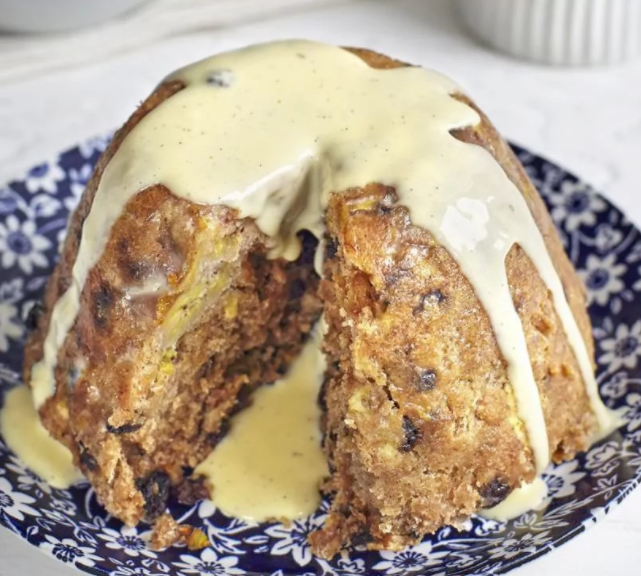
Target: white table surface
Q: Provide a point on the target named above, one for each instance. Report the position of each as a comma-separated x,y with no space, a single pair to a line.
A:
587,120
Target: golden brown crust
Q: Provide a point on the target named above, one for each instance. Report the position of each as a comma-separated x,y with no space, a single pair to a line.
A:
566,408
421,425
182,316
59,281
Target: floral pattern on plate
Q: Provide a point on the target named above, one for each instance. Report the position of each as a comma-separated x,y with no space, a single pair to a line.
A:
72,526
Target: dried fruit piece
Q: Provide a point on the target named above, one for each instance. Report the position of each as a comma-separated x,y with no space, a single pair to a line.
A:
34,315
426,380
412,435
124,429
155,491
195,538
191,490
494,493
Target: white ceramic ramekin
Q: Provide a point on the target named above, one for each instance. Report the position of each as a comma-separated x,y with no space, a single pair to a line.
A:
563,32
59,15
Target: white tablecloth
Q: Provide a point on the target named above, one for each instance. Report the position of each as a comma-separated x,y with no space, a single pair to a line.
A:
586,120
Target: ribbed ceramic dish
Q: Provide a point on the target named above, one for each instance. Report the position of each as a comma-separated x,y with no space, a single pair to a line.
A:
561,32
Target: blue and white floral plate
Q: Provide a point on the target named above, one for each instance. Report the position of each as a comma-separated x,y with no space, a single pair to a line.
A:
73,527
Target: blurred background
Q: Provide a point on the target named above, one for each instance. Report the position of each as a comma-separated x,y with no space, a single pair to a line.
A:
560,77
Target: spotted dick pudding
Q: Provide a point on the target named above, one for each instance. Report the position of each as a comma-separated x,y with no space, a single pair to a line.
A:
261,191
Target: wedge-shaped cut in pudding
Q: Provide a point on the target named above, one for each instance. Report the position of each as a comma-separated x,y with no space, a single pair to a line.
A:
257,190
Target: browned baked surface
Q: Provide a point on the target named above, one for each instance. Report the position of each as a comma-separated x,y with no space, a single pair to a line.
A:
134,409
420,422
421,426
